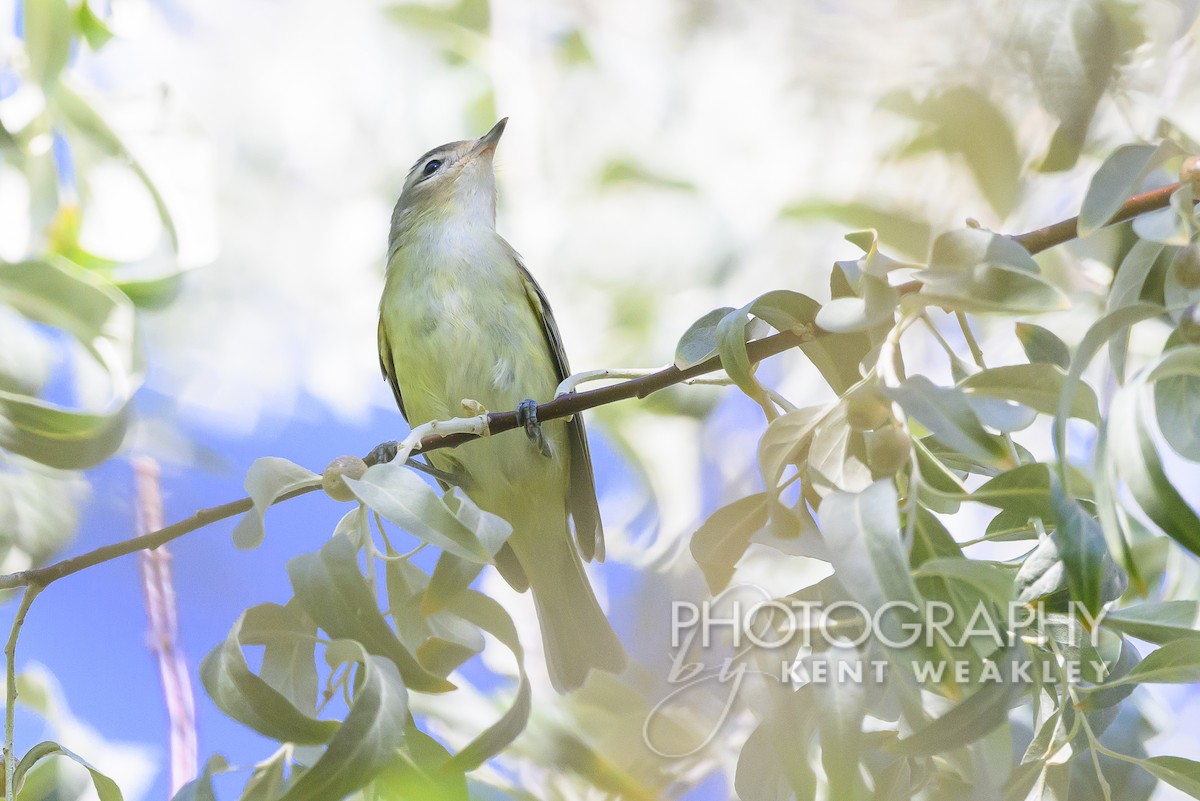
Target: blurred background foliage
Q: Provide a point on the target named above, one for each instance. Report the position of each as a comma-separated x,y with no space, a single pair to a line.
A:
193,211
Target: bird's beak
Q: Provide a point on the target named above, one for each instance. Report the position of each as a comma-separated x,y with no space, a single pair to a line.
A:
487,143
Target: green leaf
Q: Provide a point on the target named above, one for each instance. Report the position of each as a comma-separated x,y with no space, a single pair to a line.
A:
1041,574
869,560
480,610
420,773
94,30
1158,623
47,35
876,306
940,488
1024,489
267,780
289,638
1101,331
991,579
723,538
961,120
154,292
106,789
785,442
1177,409
250,700
200,788
1069,50
1126,290
1045,575
1038,386
976,271
699,342
1042,346
1173,225
763,768
977,716
840,708
1177,662
451,575
368,739
334,593
907,232
629,170
268,479
781,309
404,498
102,321
1083,551
948,416
1180,773
1133,456
1119,177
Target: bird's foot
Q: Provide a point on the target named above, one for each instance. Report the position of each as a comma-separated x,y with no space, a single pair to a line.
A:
527,418
383,453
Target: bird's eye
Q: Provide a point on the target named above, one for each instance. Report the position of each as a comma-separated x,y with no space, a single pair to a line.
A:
431,167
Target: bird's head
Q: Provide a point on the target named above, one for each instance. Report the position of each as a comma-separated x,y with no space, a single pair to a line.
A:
454,182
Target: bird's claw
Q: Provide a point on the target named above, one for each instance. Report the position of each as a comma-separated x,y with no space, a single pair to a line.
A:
383,453
527,418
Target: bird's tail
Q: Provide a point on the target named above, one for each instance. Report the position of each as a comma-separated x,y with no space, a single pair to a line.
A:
576,634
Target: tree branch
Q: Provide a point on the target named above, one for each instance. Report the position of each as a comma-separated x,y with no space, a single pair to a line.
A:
1066,230
567,405
42,576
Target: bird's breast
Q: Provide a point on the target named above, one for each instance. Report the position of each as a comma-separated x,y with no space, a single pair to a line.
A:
461,327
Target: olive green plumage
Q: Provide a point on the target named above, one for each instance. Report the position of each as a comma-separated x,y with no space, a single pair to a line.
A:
461,318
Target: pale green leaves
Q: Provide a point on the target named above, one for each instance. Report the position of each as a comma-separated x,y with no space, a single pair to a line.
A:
1177,662
101,322
863,531
1129,452
1043,346
948,416
982,712
1159,622
1069,50
724,537
1120,176
962,121
368,739
330,588
699,342
106,789
268,480
403,497
1038,386
47,38
251,699
724,332
980,272
869,301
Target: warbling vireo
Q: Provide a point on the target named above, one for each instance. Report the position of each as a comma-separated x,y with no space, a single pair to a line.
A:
461,318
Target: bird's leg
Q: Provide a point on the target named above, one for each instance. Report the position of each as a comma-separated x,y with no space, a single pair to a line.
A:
527,417
385,452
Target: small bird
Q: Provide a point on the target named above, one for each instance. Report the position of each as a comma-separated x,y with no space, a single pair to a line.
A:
461,318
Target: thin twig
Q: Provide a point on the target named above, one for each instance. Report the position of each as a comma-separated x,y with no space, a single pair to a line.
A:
43,576
10,673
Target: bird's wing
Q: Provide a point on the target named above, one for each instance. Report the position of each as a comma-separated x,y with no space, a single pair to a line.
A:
581,497
388,367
